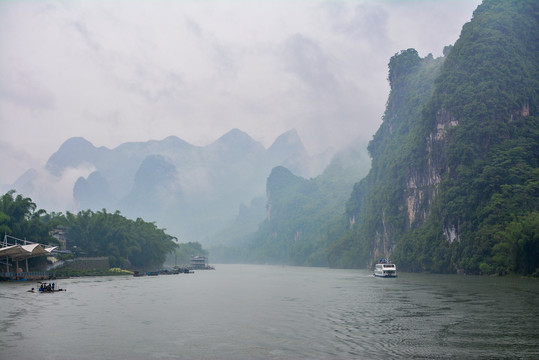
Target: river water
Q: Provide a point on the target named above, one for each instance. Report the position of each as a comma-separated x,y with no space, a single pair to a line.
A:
272,312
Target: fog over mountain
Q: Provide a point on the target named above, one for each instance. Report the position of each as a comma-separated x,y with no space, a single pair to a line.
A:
114,72
191,190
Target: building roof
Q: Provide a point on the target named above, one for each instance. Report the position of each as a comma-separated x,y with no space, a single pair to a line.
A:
18,252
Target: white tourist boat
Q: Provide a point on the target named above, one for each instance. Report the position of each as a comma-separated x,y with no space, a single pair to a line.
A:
385,268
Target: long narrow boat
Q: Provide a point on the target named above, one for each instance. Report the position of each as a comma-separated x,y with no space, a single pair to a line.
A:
48,288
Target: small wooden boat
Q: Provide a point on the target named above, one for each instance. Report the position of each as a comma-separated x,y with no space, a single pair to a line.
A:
48,288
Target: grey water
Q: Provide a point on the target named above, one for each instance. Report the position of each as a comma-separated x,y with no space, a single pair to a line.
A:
272,312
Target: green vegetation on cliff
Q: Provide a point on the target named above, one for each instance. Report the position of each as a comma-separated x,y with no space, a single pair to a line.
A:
304,214
454,184
374,209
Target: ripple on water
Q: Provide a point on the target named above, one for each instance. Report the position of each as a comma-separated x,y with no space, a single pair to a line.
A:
274,313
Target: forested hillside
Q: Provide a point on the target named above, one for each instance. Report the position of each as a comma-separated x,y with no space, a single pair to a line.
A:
454,184
301,213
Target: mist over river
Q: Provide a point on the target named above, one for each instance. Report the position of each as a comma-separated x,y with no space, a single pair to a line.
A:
272,312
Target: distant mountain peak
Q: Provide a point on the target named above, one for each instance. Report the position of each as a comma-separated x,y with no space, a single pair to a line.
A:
287,143
76,142
233,136
237,140
154,170
73,152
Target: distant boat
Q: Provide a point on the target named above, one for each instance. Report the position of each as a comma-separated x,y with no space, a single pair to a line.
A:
47,288
385,268
199,263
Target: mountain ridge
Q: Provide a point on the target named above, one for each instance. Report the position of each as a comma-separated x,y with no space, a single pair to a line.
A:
179,185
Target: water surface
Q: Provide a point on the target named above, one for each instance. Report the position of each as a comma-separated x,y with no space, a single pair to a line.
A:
272,312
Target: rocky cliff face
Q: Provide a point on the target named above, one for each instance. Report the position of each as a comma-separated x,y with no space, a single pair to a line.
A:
422,184
455,159
397,193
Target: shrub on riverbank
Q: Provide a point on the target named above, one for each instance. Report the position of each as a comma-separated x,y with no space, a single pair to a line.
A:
92,272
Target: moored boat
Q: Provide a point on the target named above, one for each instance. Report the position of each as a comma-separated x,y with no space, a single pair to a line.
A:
385,268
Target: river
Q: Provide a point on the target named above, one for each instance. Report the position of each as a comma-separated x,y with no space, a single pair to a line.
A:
272,312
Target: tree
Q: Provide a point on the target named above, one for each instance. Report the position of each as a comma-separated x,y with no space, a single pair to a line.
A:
19,218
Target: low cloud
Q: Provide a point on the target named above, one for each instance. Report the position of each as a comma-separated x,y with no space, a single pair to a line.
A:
24,90
49,192
114,72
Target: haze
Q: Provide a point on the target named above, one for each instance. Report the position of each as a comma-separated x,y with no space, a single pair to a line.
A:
121,71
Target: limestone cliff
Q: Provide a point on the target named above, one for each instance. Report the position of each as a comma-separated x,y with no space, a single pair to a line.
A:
455,161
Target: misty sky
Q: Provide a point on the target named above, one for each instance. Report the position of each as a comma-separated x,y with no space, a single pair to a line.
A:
119,71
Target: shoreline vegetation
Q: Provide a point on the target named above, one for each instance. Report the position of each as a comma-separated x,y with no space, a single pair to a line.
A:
88,243
68,273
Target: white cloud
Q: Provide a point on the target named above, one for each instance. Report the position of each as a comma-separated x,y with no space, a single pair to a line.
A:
50,192
123,71
15,161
